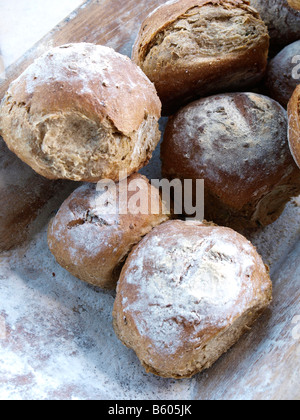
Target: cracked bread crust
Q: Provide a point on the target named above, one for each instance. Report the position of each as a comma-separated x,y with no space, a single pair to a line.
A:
186,294
91,240
194,48
294,124
82,112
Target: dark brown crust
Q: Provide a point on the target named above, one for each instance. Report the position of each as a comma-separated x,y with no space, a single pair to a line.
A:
282,19
294,124
280,80
177,86
246,185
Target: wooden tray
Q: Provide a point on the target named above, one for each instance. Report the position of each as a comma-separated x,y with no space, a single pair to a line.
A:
56,336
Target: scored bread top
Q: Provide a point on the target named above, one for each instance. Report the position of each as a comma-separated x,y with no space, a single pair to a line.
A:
191,49
168,13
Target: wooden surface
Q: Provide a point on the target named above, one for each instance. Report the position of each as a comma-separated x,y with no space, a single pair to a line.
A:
56,338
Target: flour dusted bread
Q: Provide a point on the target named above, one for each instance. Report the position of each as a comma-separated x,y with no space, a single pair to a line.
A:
238,144
93,233
81,112
283,74
294,124
282,18
186,294
194,48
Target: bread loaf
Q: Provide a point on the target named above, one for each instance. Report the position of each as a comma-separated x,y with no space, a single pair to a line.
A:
192,48
238,144
186,294
91,239
81,112
283,20
283,74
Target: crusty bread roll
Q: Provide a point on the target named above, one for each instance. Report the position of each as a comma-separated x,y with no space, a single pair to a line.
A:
282,18
238,144
91,240
283,75
186,294
192,48
294,124
82,112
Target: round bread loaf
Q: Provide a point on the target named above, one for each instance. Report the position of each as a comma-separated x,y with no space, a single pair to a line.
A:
282,18
192,48
238,144
294,124
93,233
283,74
186,294
82,112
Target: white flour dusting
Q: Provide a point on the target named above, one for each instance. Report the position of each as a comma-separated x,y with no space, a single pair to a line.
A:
201,292
62,65
80,65
227,139
59,340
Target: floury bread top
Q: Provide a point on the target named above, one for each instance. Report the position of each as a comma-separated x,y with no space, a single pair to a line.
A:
82,112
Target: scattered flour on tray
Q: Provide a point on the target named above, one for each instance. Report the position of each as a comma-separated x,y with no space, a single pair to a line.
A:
59,337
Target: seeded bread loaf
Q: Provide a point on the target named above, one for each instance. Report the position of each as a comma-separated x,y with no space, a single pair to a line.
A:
192,48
